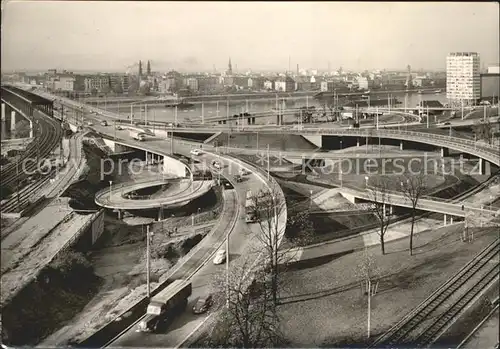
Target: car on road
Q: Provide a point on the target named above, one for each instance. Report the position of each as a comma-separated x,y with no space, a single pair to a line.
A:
238,178
202,304
226,184
104,123
244,172
220,257
216,164
119,127
446,123
195,152
90,123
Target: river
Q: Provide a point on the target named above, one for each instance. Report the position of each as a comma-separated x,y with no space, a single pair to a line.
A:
161,113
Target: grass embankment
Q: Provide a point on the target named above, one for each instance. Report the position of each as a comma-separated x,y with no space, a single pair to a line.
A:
61,290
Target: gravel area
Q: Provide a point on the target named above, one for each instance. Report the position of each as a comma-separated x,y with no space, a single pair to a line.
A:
317,313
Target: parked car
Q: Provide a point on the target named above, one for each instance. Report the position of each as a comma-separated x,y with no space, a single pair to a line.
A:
195,152
202,304
238,178
220,257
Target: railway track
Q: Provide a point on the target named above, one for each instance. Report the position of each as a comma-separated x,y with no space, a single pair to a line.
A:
431,318
48,137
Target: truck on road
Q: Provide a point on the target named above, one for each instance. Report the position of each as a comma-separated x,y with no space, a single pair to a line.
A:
166,305
137,135
251,214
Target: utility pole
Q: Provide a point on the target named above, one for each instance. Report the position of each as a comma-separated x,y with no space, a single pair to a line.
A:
175,118
148,258
171,141
268,162
227,270
369,306
17,189
462,103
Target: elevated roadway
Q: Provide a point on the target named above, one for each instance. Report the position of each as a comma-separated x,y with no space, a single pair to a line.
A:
424,203
179,194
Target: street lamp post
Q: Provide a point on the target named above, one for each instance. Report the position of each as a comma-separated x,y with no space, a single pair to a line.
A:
149,235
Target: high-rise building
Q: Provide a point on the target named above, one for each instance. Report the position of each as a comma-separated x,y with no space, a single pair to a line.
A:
463,79
140,69
148,68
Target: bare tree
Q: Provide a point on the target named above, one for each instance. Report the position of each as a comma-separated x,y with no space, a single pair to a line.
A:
249,319
379,208
413,187
483,130
269,206
369,274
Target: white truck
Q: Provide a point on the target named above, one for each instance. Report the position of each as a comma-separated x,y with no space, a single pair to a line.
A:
164,306
137,135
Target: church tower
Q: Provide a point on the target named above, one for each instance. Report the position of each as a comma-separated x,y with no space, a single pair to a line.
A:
229,68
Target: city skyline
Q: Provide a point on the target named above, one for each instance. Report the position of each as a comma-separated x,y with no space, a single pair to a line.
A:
82,36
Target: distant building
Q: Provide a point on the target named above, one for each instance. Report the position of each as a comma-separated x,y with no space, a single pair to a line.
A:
208,83
463,80
191,83
240,81
256,83
284,84
363,83
98,83
490,86
327,86
64,82
302,83
269,84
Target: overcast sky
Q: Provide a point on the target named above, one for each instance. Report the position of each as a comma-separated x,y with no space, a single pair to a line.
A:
109,36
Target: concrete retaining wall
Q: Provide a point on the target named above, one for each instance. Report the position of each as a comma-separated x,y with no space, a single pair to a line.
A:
174,167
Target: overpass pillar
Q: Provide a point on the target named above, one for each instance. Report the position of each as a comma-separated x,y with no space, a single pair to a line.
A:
484,167
3,111
384,210
390,209
31,129
357,142
119,214
444,219
160,214
444,152
12,120
451,220
401,145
